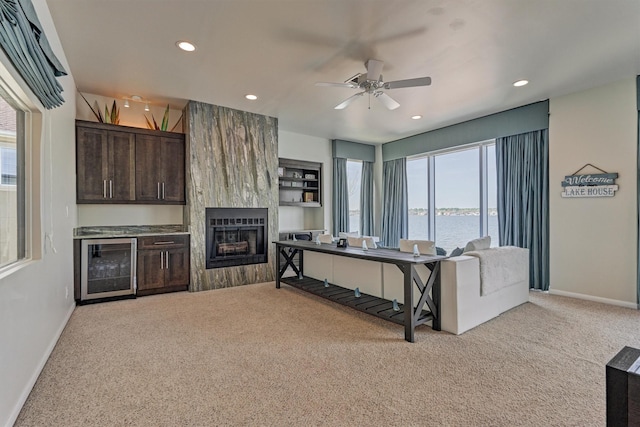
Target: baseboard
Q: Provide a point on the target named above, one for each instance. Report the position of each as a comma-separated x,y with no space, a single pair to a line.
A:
27,390
595,299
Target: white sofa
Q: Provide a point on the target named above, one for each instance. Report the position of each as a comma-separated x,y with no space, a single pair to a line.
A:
480,285
475,287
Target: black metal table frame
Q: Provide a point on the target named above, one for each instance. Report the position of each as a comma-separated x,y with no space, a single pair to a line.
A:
405,262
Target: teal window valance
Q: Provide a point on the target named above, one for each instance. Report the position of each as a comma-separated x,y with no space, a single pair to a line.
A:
26,46
353,150
516,121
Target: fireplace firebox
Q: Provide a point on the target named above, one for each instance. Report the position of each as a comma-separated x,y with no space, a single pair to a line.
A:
236,236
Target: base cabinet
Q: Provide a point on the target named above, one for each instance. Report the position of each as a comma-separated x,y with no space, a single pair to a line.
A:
163,264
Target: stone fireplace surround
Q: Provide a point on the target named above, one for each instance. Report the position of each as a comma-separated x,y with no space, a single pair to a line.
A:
233,163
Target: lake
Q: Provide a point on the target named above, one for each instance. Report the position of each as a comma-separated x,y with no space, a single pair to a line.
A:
451,231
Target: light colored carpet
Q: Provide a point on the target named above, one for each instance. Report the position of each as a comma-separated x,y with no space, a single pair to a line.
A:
256,355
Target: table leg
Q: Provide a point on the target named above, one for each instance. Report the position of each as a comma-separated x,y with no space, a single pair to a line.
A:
408,304
278,249
435,293
300,264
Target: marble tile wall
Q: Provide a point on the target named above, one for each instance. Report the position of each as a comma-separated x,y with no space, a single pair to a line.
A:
233,162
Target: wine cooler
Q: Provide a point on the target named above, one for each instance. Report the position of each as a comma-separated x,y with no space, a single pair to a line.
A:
108,268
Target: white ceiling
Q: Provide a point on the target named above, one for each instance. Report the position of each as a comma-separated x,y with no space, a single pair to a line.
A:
277,49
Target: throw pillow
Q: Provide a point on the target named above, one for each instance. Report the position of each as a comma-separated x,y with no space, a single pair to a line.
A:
456,252
478,244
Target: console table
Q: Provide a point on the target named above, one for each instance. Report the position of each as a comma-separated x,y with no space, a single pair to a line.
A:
409,314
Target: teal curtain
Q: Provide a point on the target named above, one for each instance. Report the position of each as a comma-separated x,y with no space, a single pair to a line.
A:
522,163
340,196
26,45
366,199
395,209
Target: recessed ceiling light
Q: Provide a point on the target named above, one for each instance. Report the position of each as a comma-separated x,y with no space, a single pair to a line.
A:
416,117
251,97
186,46
521,83
136,98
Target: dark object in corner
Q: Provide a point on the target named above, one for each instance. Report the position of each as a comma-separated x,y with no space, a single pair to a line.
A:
623,388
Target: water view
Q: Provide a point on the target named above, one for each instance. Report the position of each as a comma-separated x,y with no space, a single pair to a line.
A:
451,230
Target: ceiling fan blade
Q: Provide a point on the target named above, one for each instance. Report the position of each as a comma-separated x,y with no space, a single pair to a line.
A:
344,104
374,69
349,85
388,101
420,81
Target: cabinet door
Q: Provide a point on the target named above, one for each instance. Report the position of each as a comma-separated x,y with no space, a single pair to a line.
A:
92,165
178,272
148,168
160,171
173,171
150,270
121,166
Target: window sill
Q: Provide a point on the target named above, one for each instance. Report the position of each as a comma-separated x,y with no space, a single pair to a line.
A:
14,267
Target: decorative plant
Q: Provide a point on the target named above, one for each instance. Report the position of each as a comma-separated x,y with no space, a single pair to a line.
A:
152,124
112,116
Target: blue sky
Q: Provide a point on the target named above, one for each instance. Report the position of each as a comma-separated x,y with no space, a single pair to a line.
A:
456,177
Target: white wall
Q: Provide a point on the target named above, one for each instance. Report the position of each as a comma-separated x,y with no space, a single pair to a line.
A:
133,116
37,299
303,147
593,251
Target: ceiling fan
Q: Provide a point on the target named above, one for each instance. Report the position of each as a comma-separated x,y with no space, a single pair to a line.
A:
371,83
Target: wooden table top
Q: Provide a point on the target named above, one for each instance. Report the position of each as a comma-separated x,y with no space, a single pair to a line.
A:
393,256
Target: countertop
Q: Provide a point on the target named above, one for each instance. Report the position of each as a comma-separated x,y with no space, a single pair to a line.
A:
104,232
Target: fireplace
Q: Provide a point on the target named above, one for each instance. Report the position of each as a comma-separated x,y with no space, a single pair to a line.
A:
236,236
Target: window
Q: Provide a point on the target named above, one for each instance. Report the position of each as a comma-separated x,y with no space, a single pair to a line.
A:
457,197
452,196
8,166
12,205
354,180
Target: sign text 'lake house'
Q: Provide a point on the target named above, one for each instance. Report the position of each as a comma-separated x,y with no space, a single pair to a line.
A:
591,185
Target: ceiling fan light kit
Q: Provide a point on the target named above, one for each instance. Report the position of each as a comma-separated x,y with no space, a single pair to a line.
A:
372,83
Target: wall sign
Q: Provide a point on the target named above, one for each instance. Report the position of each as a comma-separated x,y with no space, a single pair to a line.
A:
590,185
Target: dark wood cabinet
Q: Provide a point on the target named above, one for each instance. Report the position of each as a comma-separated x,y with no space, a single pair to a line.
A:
105,166
119,164
163,264
160,172
300,183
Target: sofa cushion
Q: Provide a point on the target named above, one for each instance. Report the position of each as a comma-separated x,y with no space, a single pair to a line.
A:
426,247
478,244
501,267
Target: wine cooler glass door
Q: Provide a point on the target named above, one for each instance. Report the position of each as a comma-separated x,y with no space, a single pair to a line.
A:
108,268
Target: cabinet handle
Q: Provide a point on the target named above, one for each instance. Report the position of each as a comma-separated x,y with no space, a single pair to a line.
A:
104,188
162,260
158,191
166,259
163,191
165,242
110,189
